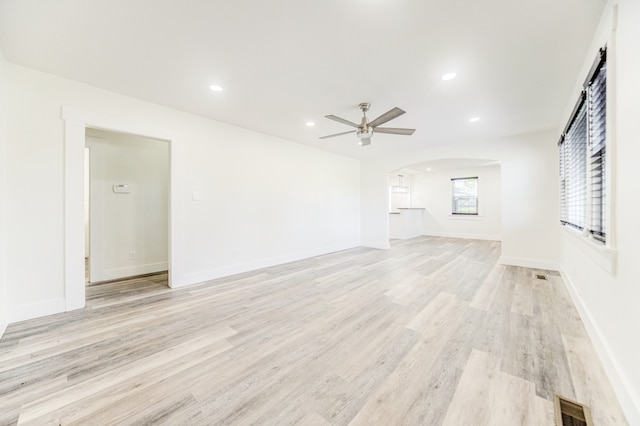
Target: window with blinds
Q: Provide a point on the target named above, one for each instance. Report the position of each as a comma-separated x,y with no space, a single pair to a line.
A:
573,149
597,96
582,149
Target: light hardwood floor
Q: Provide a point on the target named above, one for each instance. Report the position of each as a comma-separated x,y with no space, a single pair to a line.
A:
432,331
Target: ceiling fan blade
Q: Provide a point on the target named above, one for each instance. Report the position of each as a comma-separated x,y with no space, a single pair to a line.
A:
342,120
394,131
387,116
365,141
337,134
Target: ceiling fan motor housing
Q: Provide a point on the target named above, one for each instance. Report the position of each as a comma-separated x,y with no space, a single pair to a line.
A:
364,132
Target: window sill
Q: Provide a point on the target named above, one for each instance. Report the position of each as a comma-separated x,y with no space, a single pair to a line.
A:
604,256
465,217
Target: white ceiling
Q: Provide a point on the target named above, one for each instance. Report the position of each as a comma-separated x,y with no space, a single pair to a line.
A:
283,63
446,164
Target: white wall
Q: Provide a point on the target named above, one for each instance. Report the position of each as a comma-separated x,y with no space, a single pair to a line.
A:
126,223
605,284
3,197
263,200
433,192
374,204
87,200
529,194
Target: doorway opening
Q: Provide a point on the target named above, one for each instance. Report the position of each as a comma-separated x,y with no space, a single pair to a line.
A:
76,123
126,208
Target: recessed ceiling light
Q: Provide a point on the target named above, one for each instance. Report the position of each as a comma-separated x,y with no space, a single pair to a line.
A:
428,169
216,88
474,119
449,76
310,123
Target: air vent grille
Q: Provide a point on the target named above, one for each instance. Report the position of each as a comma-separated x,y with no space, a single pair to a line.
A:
541,277
571,413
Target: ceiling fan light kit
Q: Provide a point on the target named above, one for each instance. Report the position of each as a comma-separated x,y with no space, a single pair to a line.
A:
400,188
365,130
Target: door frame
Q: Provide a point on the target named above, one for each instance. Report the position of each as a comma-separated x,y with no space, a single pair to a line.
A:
76,122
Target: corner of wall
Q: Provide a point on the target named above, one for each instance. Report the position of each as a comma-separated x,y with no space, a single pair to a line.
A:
529,263
36,310
485,237
3,179
376,245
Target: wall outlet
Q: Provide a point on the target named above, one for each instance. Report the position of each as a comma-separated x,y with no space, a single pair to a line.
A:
132,255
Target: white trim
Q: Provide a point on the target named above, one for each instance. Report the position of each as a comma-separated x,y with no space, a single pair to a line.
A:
529,263
130,271
619,381
376,245
74,274
36,310
225,271
465,236
74,142
3,327
612,131
465,216
101,122
603,256
403,238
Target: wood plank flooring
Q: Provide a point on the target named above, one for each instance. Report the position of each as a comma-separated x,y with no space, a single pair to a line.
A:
430,332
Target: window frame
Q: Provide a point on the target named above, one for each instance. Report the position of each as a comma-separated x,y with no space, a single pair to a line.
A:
596,89
454,197
583,167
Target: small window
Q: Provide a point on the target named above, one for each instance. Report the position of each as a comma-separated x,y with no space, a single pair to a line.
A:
465,196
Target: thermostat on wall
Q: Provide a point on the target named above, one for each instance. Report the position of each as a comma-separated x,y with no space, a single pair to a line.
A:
122,188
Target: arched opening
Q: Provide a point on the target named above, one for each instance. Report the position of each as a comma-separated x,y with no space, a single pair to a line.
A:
450,197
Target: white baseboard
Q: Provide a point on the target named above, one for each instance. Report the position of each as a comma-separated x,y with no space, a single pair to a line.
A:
403,237
3,326
377,245
225,271
529,263
36,310
621,386
465,236
128,271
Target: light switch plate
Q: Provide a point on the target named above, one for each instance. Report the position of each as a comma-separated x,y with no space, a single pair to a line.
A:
122,188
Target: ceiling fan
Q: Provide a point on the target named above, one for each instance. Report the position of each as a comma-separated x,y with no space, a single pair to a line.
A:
366,129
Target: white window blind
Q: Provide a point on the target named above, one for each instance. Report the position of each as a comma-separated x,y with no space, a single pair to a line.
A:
582,154
573,152
597,96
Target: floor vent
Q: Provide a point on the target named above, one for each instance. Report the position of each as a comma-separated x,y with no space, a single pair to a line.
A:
541,277
571,413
